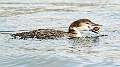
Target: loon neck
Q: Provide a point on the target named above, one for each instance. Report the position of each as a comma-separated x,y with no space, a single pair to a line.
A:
74,32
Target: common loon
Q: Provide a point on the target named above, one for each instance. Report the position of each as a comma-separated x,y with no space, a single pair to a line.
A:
73,31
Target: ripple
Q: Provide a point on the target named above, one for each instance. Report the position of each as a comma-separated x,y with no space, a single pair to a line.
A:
77,52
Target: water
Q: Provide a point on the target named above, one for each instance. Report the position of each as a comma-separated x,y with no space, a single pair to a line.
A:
16,16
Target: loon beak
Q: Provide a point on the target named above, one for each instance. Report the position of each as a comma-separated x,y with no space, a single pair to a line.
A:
94,24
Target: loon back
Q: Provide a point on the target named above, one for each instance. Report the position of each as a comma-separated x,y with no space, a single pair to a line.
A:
40,34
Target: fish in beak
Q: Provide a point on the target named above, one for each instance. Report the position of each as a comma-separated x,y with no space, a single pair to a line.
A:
96,30
95,27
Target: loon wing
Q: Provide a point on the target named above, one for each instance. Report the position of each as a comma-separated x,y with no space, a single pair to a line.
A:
40,33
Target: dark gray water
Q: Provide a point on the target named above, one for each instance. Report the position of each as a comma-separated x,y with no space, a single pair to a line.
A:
63,52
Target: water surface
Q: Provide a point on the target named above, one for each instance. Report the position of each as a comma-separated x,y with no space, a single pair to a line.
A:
62,52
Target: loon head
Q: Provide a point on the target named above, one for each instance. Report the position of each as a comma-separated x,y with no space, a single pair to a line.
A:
81,25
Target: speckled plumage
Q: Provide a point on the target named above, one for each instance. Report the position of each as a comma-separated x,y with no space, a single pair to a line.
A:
40,33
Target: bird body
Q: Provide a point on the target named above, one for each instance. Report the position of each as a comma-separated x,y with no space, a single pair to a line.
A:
73,31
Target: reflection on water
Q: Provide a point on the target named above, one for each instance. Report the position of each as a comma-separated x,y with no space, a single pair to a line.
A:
63,52
84,42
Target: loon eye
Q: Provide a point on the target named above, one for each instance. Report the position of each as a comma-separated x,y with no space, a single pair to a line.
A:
87,23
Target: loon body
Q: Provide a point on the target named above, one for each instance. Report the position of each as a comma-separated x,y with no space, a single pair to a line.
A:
73,31
41,34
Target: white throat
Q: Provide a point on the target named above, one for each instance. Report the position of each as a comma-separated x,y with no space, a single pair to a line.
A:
78,34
